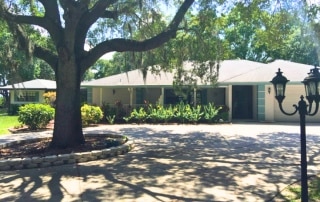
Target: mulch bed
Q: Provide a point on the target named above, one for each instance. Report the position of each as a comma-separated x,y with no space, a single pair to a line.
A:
40,148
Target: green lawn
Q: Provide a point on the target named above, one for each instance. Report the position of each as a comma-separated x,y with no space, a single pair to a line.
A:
7,122
293,192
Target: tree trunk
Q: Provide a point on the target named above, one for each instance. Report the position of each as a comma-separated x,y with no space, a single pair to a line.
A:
67,126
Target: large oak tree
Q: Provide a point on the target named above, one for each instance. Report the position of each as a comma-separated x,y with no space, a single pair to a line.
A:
67,23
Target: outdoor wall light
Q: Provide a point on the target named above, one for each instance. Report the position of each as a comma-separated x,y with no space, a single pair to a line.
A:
312,88
269,90
113,91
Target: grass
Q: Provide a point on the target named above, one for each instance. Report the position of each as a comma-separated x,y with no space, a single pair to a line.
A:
293,192
7,122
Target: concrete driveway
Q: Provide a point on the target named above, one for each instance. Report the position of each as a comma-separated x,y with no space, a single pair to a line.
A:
224,162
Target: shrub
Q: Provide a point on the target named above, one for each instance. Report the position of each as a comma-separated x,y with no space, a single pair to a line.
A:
50,98
223,113
35,116
210,113
194,114
139,116
90,114
110,119
180,113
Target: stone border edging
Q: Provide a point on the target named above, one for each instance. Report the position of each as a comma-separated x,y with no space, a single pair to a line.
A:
62,159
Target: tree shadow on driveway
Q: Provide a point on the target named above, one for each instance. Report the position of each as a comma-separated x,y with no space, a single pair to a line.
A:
170,166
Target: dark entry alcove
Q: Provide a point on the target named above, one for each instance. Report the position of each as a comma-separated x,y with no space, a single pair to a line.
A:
242,102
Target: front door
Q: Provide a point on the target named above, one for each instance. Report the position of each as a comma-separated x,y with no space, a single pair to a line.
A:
242,105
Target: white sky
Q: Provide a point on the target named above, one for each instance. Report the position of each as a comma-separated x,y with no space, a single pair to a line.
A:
107,56
317,2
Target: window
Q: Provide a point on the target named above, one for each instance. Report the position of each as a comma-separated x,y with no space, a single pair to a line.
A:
172,98
26,96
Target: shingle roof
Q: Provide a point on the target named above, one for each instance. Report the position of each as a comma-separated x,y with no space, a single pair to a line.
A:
295,72
229,70
132,78
36,84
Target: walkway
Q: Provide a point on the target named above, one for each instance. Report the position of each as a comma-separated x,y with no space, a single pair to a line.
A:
227,162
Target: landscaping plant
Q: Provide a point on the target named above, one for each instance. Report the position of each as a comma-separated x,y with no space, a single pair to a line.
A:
50,98
195,114
210,112
111,118
90,114
180,113
35,116
139,116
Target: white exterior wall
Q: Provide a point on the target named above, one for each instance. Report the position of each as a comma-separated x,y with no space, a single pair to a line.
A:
96,97
255,102
269,103
120,94
229,100
293,93
111,96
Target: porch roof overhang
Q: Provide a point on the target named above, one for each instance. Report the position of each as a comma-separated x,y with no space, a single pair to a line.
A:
36,84
132,78
295,72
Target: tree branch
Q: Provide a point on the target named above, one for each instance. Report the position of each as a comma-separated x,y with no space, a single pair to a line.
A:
91,16
51,11
23,40
51,21
97,11
122,45
47,56
22,19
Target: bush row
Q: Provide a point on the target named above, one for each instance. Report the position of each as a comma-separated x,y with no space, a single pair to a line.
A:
180,113
36,116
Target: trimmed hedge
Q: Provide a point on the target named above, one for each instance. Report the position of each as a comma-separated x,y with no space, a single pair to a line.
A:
90,114
35,116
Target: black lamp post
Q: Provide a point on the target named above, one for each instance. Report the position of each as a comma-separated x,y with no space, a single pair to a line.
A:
312,88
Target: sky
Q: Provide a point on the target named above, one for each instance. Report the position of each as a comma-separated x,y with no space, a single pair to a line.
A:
317,2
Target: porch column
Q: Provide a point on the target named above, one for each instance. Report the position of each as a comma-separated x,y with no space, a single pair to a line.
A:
100,96
194,97
161,98
269,103
131,95
229,100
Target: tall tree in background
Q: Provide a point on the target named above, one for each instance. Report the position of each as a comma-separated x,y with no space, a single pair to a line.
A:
15,66
68,23
256,30
201,30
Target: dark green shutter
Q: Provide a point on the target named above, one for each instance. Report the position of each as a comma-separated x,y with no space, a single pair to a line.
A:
139,95
37,96
204,99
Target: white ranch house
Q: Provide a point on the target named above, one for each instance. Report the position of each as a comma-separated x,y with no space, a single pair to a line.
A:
29,91
243,86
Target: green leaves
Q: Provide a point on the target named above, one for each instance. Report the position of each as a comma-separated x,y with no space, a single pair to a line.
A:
180,113
90,114
35,116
